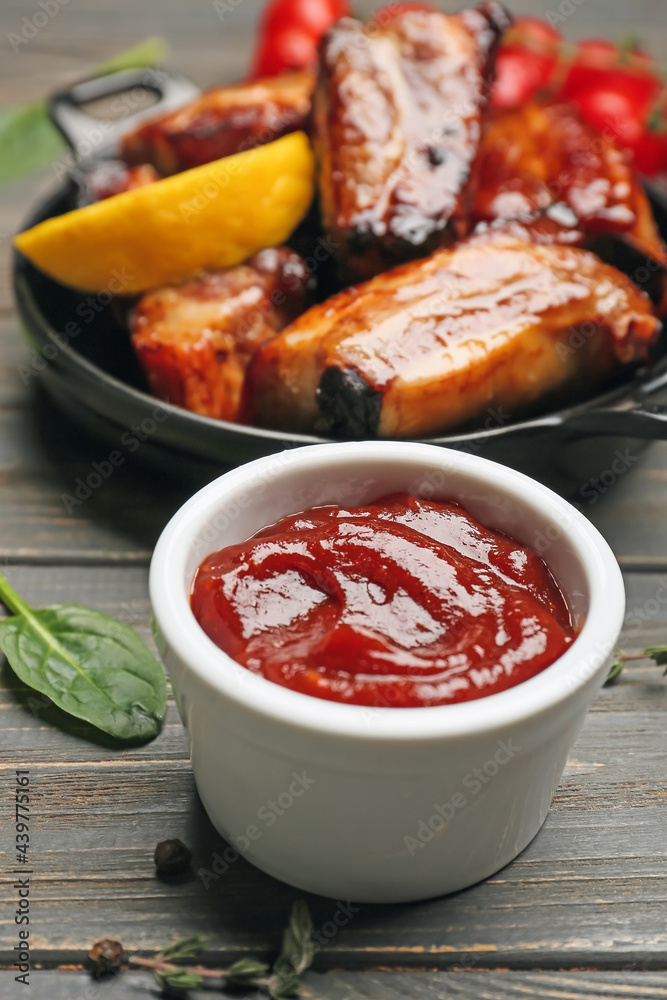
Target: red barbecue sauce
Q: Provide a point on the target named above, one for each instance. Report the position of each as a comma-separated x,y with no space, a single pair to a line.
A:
399,603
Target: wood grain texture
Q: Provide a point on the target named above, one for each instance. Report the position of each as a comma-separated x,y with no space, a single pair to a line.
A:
44,459
44,456
590,890
459,985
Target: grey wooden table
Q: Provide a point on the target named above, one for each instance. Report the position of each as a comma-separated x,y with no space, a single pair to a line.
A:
582,913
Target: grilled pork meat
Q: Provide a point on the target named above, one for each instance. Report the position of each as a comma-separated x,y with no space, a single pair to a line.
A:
538,155
430,346
222,121
558,225
396,126
109,177
195,341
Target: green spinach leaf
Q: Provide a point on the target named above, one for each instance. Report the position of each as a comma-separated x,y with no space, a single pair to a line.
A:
29,140
88,664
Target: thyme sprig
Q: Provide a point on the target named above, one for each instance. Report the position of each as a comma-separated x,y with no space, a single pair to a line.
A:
656,653
175,976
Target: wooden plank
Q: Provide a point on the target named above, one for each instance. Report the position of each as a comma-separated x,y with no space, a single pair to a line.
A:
84,33
375,985
43,460
591,888
630,511
13,354
42,455
590,891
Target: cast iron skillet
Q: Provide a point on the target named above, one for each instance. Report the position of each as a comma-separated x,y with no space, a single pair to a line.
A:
84,357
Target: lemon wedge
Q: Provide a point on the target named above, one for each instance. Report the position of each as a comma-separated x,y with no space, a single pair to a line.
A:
212,216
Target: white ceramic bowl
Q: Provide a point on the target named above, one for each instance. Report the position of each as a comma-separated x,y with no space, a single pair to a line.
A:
390,804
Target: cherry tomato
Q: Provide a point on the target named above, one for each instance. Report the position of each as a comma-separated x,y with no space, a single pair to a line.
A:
532,31
290,49
651,151
290,32
339,8
601,52
311,16
650,154
613,112
633,111
526,61
601,63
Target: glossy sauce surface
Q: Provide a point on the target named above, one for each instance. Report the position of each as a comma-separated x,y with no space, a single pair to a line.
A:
400,603
195,340
542,154
397,117
220,122
445,340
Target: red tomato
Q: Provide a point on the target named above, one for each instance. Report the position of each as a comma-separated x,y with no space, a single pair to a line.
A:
602,52
532,32
619,104
519,75
612,111
281,51
291,30
526,61
633,111
339,8
618,90
311,16
601,63
650,153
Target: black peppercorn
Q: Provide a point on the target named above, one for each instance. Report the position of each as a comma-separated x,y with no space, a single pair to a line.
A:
172,857
106,958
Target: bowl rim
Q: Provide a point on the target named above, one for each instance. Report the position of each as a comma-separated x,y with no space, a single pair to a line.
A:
556,684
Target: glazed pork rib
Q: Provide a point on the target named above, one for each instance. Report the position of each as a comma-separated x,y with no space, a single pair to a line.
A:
222,121
194,341
396,126
106,178
431,345
539,155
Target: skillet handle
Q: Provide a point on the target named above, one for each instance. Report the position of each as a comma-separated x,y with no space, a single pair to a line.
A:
93,137
637,418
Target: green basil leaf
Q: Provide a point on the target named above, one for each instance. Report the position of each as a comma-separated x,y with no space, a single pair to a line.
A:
28,138
89,665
